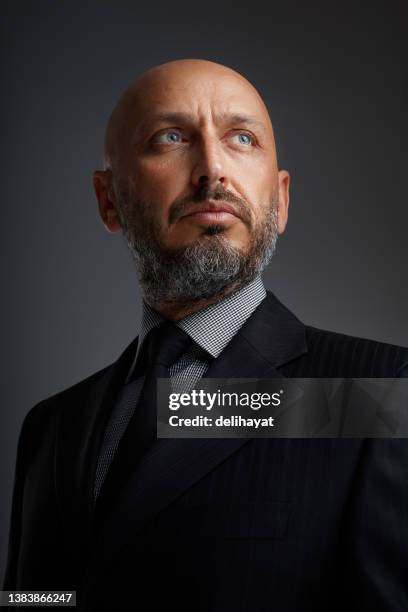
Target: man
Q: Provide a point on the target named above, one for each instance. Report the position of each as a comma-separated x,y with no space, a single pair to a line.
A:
129,521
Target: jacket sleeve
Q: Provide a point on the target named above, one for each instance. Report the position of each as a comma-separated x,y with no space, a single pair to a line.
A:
22,463
376,530
377,540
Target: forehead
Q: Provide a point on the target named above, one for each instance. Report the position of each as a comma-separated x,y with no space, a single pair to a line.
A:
203,95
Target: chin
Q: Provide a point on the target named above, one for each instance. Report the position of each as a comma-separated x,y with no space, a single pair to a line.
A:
214,232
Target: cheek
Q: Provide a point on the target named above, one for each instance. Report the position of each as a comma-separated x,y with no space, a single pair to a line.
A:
256,182
158,181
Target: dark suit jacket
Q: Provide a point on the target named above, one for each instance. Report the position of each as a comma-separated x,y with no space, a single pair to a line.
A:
217,525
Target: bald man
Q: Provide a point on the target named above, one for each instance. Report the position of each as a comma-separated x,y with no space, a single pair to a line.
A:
129,521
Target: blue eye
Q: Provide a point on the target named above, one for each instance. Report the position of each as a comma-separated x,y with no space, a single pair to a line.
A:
244,138
169,137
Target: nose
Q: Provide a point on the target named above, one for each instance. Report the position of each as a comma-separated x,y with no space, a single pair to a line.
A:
209,166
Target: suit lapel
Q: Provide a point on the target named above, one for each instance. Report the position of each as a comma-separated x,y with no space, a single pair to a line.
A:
271,337
82,425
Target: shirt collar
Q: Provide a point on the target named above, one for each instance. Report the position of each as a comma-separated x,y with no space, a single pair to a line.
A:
213,327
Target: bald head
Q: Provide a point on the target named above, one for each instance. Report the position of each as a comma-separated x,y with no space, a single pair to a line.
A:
168,83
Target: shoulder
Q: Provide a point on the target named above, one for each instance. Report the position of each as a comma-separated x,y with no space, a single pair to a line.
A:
76,396
74,391
42,418
357,356
321,353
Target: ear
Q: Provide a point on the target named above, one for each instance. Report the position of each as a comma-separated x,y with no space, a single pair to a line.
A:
283,180
102,182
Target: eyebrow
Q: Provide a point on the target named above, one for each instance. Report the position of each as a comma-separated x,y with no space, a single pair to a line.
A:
226,118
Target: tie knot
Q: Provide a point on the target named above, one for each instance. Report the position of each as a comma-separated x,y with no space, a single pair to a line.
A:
165,344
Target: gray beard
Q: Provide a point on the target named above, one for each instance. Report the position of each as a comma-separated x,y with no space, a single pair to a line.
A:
203,269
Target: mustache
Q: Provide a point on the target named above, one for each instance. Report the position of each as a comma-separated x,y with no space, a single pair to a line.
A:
241,207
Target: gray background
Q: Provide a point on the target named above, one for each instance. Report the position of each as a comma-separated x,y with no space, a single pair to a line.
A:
333,75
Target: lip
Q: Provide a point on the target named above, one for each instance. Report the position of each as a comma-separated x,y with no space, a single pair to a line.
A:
217,209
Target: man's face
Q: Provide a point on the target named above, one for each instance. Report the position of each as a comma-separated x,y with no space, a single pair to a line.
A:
193,161
188,131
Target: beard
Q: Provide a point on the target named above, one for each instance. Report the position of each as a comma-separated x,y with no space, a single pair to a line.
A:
209,266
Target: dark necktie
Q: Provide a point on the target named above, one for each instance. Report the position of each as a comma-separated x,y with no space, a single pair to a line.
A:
162,347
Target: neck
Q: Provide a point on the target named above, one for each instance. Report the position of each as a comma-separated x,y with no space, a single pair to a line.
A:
174,311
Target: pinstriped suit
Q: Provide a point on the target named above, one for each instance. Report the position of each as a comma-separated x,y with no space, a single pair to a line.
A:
254,525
